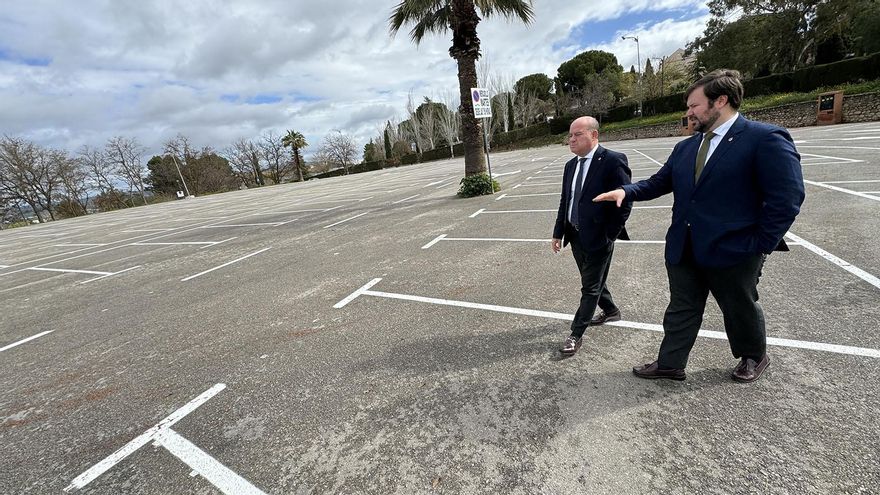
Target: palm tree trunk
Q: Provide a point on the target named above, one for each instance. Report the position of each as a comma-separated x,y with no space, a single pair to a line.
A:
298,160
465,50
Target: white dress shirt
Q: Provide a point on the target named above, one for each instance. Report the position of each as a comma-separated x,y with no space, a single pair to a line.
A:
577,168
719,135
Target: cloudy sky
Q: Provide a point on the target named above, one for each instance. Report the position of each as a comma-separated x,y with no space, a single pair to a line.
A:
79,72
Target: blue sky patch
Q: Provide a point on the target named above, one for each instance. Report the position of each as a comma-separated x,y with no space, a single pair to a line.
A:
295,96
262,99
32,61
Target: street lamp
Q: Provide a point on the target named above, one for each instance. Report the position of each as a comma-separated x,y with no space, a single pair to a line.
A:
174,159
638,61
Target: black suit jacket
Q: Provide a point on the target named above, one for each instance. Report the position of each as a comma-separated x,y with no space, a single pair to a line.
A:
600,223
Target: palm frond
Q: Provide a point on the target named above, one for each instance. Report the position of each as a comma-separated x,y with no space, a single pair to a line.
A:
511,9
426,15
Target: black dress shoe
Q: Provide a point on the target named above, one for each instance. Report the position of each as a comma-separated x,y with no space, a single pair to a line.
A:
603,317
571,345
749,370
653,370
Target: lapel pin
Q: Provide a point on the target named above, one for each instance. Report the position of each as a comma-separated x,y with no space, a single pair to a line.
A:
730,139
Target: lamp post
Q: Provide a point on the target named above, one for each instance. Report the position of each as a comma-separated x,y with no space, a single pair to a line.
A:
174,159
638,61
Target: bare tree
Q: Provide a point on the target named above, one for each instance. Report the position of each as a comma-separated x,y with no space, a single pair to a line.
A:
244,157
8,208
279,164
339,150
413,126
99,173
530,107
31,174
125,154
75,187
427,118
449,121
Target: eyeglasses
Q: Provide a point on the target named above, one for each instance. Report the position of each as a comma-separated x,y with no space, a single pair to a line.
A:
577,134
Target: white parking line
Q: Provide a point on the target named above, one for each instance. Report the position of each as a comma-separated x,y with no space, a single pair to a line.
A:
526,195
224,264
840,189
850,181
22,341
484,211
435,241
108,275
257,224
182,243
406,199
507,173
862,274
68,270
648,157
439,181
801,344
217,474
836,158
226,480
347,219
76,245
443,237
538,184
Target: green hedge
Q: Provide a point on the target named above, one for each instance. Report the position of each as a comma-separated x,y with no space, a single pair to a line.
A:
804,80
865,68
440,153
367,167
502,138
409,159
333,173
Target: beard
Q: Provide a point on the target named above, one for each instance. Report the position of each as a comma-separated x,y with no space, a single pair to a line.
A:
708,122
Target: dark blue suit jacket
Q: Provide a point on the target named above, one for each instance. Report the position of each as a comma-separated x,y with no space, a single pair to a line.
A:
600,223
747,197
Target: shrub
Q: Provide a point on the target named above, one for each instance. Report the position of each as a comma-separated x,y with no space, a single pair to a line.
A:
477,185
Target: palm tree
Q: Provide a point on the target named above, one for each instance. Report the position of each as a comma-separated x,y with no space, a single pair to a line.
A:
295,141
461,17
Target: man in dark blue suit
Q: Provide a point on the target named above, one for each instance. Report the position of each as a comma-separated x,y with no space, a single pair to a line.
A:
591,228
737,188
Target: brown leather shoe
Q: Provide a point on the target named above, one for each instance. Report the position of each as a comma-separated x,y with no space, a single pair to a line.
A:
653,370
749,370
603,317
571,345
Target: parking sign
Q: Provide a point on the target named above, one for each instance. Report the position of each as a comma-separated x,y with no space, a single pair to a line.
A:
482,103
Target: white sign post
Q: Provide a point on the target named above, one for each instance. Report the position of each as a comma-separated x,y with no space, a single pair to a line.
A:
482,103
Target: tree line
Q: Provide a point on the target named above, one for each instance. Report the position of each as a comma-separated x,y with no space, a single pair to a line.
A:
767,36
40,183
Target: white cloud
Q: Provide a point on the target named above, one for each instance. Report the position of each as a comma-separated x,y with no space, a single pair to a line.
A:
154,69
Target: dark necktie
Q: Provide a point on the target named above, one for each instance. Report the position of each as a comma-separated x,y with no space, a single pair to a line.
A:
578,188
702,153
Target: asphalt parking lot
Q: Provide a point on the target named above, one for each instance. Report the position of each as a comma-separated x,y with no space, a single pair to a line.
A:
374,334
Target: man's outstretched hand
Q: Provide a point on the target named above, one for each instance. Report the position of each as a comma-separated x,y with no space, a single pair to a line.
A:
616,195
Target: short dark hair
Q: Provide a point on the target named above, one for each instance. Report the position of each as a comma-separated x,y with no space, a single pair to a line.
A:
720,82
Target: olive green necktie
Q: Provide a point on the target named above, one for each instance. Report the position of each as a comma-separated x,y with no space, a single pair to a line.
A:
702,153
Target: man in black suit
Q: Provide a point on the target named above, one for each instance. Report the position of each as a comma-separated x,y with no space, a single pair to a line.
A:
737,188
591,228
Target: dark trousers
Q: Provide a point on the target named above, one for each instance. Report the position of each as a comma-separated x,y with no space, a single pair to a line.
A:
734,289
593,267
